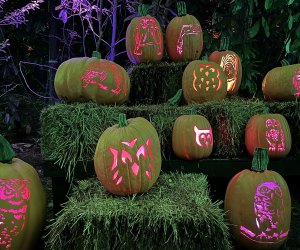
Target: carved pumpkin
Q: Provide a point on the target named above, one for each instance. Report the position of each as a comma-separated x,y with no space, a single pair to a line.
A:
96,79
192,137
258,206
203,81
270,131
184,37
127,158
282,83
144,38
22,201
230,62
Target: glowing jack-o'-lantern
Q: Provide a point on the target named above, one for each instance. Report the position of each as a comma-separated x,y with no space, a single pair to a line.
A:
184,37
282,83
96,79
22,201
230,62
270,131
258,205
203,81
127,158
144,39
192,137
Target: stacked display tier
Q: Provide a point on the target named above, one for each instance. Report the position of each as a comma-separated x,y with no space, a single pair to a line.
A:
177,213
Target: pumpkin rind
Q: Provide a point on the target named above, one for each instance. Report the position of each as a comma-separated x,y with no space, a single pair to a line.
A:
282,83
231,64
259,134
255,201
140,51
203,81
22,201
99,80
119,148
184,38
192,137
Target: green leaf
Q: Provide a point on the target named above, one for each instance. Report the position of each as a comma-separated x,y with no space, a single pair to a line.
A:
254,30
290,2
296,45
268,4
265,26
288,46
298,32
290,22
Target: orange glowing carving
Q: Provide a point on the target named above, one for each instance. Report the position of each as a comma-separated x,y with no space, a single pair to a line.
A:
296,82
147,33
209,78
275,135
97,72
203,137
229,64
127,158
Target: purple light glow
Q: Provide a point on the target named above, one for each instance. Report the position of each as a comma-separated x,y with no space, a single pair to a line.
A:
186,30
147,33
203,137
14,196
210,78
268,214
275,135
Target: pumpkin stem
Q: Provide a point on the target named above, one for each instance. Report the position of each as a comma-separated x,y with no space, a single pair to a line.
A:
143,9
284,62
122,120
6,151
260,160
96,54
224,43
181,8
193,111
176,98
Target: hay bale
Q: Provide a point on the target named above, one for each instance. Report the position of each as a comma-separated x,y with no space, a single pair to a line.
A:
176,213
69,132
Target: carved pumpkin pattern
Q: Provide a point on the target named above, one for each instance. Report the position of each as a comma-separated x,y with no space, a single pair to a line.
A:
22,201
96,79
270,131
258,206
296,82
127,158
203,81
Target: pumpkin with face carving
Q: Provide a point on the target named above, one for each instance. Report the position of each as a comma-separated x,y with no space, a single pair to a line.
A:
95,79
127,158
231,64
203,81
22,202
258,206
192,137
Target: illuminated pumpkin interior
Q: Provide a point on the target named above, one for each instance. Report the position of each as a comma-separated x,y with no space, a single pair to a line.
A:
267,215
206,77
14,195
127,158
186,30
203,137
97,72
229,64
296,82
147,33
275,135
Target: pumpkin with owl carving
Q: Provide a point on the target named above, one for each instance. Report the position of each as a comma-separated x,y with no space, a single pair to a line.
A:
22,201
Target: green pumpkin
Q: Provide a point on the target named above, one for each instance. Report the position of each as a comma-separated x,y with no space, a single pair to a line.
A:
22,202
128,158
83,79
